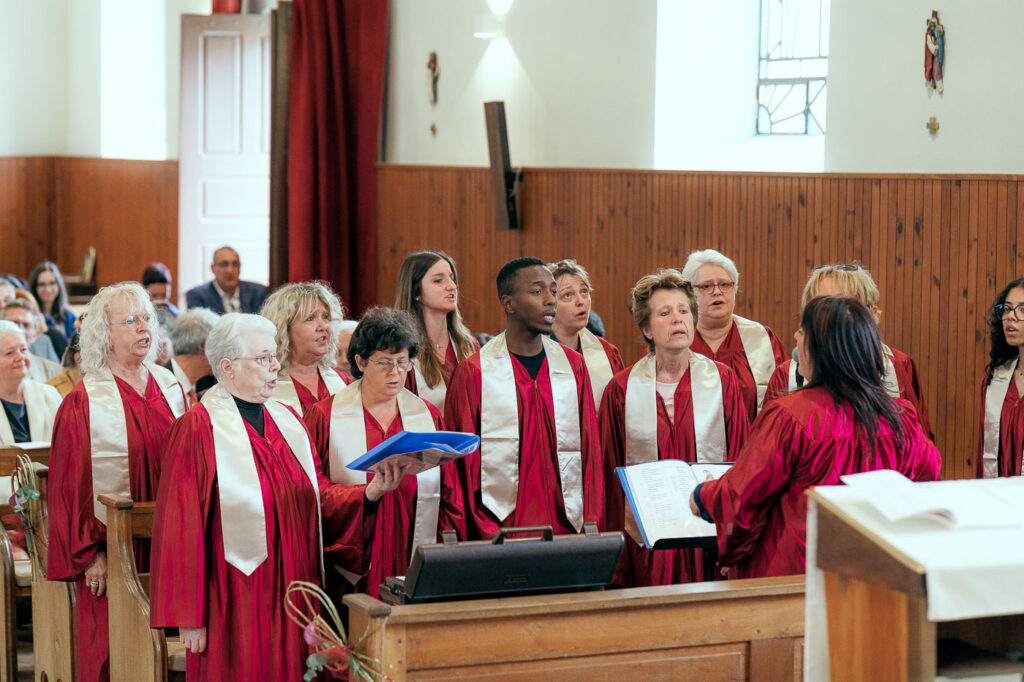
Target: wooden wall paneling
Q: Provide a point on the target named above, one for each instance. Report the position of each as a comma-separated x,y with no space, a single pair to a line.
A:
27,196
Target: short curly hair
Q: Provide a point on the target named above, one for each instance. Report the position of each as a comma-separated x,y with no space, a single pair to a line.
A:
96,323
666,278
384,329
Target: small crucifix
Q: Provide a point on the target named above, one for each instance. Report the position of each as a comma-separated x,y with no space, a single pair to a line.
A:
932,125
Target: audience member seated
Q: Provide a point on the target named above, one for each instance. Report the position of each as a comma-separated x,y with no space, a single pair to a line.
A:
156,280
7,290
28,407
671,404
237,517
749,348
428,290
71,375
23,313
841,422
345,329
572,320
374,522
227,293
109,438
307,341
528,398
190,365
47,287
1002,387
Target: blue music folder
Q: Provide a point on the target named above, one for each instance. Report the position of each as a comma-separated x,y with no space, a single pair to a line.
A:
421,451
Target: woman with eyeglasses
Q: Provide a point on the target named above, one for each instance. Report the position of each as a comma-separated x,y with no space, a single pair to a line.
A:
428,289
672,404
109,438
751,349
901,378
307,342
47,286
372,522
1002,388
842,422
572,313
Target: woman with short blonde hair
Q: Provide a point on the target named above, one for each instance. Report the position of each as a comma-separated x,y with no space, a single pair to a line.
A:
306,316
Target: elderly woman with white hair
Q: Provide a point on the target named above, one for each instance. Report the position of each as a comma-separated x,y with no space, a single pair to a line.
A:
29,406
237,516
751,349
305,314
109,438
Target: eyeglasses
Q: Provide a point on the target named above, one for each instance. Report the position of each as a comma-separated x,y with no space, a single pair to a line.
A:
709,287
262,360
842,267
388,366
1003,310
134,320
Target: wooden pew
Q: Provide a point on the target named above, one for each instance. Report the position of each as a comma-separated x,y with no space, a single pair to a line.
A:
729,630
137,652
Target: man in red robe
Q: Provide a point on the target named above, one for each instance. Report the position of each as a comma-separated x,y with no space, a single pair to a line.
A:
533,483
237,517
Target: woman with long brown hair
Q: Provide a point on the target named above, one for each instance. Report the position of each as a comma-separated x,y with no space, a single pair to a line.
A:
1002,388
428,290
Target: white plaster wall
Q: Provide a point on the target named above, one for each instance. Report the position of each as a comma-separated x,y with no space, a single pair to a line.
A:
878,104
577,78
33,77
174,10
83,124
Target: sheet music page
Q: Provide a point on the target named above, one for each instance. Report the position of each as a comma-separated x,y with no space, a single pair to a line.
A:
661,492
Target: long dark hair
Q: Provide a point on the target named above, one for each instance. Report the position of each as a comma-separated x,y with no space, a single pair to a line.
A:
59,303
847,358
999,351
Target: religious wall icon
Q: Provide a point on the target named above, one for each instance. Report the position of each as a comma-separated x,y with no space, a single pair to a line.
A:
433,74
934,52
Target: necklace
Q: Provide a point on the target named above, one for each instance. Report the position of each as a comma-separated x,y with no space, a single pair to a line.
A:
439,346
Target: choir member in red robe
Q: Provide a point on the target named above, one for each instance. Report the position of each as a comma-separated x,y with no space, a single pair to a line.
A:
306,315
570,327
372,522
123,408
842,422
687,406
751,349
901,378
1002,388
237,517
428,289
513,393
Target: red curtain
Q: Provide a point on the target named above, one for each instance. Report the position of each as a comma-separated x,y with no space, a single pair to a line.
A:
227,6
338,50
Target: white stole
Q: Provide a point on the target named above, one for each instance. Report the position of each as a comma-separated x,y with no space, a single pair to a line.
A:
598,366
348,443
41,403
499,429
243,517
108,430
432,394
285,392
995,395
757,346
889,380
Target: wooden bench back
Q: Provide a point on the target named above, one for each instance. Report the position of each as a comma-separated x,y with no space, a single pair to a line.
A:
137,651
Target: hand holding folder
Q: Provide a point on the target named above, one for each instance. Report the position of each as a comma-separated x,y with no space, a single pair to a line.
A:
416,452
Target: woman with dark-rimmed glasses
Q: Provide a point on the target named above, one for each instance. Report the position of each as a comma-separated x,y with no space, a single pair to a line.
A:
1002,389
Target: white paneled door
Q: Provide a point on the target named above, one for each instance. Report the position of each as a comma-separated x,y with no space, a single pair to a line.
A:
224,167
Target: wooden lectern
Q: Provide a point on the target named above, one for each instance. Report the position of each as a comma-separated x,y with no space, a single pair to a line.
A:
725,630
877,600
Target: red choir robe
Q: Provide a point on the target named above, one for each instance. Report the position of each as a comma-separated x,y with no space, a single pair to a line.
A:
372,541
731,353
249,637
799,441
906,376
450,363
539,497
306,397
75,533
1011,432
641,566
